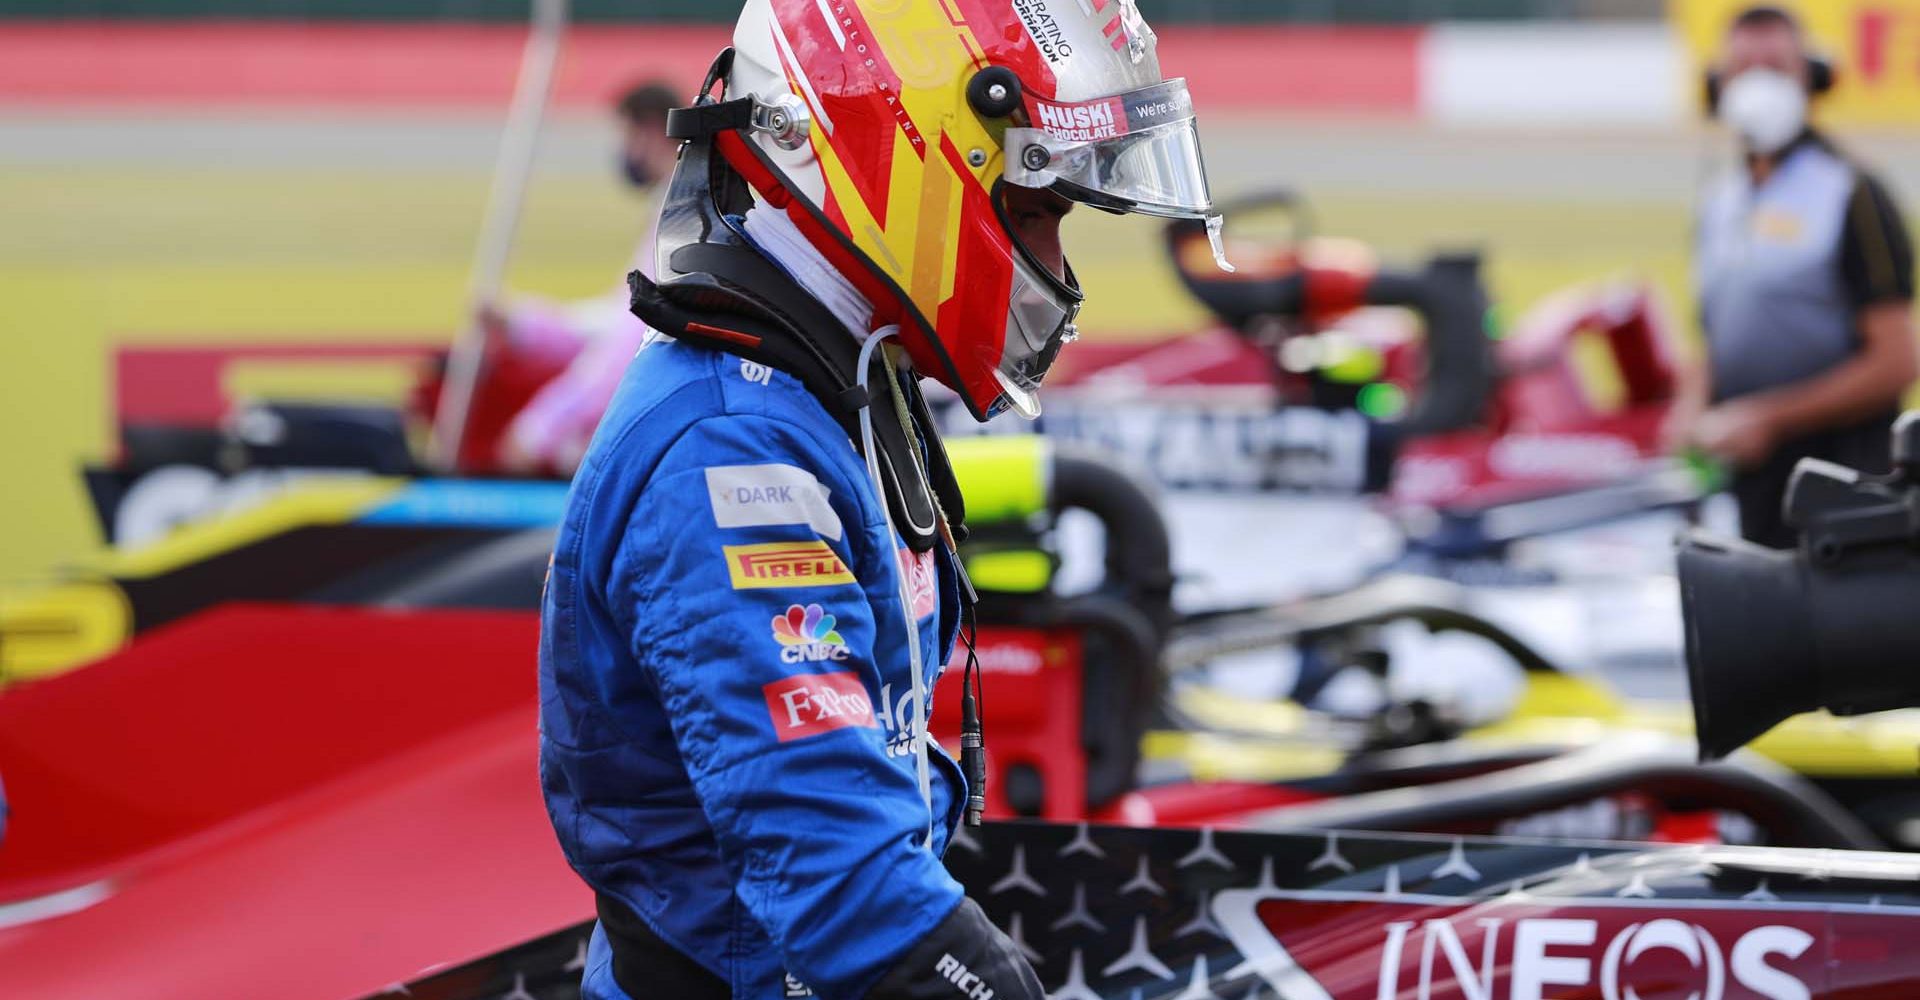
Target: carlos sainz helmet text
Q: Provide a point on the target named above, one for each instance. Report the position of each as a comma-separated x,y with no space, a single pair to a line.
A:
888,130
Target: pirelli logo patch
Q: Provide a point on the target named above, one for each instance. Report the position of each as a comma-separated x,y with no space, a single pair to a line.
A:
786,565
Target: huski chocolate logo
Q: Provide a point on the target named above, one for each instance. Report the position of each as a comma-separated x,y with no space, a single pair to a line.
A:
1089,122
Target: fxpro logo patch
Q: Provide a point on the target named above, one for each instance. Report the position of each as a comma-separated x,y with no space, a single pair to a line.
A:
814,704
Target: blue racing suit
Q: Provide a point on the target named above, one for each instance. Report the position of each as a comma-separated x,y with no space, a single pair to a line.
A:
725,690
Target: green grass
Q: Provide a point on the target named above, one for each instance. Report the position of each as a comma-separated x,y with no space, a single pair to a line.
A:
94,258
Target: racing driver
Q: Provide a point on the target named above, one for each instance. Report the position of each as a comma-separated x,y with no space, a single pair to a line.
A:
754,586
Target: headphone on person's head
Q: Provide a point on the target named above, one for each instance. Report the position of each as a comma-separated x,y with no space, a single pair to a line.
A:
1821,72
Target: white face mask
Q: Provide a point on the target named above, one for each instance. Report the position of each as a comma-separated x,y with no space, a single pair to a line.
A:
1766,107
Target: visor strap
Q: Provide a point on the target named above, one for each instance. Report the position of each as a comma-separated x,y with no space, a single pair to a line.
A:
703,120
707,116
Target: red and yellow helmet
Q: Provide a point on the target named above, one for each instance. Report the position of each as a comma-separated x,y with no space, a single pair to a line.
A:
886,129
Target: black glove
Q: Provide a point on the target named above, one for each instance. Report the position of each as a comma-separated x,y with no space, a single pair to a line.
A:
965,958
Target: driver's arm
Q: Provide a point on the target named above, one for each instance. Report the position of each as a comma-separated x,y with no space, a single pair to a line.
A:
823,833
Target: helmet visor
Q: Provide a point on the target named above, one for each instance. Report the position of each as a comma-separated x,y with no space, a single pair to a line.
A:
1138,152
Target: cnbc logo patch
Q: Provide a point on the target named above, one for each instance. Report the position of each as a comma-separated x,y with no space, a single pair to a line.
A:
806,635
785,564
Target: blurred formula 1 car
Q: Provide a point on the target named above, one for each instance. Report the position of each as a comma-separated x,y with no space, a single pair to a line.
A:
324,460
300,765
318,747
385,540
332,681
1327,374
1107,913
1331,373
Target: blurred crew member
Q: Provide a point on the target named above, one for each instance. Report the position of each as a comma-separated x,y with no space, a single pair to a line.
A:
1805,276
753,589
595,337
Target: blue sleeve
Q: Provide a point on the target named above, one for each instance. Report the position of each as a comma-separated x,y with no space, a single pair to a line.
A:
737,582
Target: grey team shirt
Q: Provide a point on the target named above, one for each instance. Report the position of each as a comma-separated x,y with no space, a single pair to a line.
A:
1783,269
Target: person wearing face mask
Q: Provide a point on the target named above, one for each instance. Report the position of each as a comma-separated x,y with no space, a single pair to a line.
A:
594,338
1805,276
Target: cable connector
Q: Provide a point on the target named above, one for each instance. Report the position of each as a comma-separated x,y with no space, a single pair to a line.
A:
973,755
973,737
